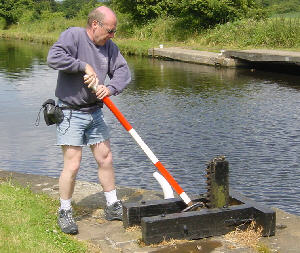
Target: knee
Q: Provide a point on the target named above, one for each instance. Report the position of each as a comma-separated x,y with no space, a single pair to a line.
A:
102,154
106,159
72,166
72,158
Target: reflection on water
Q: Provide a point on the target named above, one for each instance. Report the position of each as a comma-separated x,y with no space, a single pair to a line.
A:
187,114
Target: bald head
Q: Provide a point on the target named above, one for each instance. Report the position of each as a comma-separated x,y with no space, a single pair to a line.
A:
102,25
102,14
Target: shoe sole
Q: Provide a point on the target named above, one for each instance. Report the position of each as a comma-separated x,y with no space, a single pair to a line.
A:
70,232
113,218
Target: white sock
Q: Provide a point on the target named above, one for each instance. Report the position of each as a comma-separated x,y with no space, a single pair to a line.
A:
111,197
65,204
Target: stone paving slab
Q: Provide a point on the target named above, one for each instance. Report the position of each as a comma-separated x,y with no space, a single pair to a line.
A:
194,56
111,237
227,58
263,55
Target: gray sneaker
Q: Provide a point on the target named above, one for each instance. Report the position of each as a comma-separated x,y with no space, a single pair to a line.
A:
66,222
115,211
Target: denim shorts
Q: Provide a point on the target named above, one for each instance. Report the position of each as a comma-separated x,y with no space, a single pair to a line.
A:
81,128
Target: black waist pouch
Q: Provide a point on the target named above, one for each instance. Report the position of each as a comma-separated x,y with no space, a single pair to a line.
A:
53,114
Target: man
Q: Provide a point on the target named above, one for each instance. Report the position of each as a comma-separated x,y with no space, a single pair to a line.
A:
84,56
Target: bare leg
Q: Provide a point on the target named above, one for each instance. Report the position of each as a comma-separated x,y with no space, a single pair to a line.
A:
103,156
72,159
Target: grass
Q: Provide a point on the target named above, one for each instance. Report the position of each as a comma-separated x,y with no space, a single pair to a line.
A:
287,15
275,33
28,223
43,31
248,237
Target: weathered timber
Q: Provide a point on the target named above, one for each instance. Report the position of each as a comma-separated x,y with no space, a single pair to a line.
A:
265,216
134,212
218,183
207,222
222,211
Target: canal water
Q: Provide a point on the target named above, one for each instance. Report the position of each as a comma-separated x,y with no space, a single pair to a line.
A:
187,114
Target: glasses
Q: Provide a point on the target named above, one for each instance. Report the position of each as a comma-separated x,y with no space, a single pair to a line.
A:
110,31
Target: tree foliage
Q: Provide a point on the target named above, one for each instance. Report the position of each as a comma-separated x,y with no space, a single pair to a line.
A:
208,13
145,10
11,10
71,8
14,11
195,13
187,14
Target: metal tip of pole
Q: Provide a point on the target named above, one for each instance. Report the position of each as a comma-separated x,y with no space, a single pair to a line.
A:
194,207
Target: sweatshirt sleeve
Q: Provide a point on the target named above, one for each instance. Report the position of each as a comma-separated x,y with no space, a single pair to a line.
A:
62,55
119,72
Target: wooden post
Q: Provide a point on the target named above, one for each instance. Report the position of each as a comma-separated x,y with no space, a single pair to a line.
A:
218,183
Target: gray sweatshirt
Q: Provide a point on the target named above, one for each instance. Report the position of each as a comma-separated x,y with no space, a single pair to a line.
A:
71,53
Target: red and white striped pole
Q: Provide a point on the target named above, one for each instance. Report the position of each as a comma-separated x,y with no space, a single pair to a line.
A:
147,150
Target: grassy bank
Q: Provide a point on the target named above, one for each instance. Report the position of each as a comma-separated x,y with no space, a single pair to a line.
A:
28,223
277,32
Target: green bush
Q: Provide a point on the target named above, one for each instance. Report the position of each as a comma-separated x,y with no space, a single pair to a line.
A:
125,25
194,14
28,16
163,29
2,23
208,13
48,15
143,11
12,10
74,8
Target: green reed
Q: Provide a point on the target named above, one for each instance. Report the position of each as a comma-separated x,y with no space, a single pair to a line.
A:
277,32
